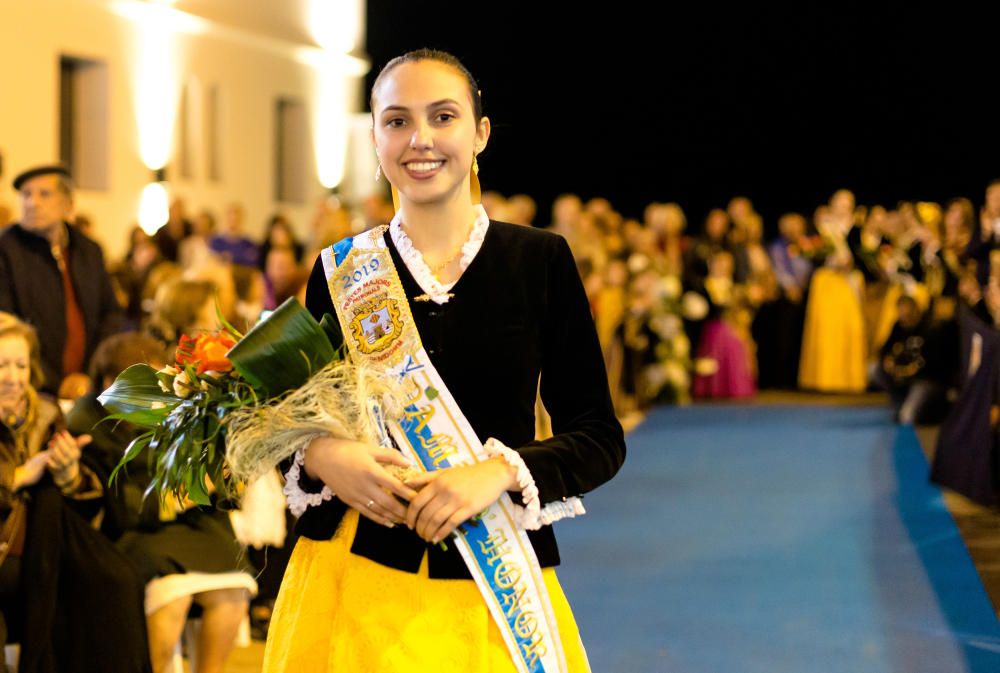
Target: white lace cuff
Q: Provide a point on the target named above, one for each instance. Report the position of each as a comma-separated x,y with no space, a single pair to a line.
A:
532,515
298,500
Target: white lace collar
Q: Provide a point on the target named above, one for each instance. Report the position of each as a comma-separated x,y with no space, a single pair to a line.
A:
428,282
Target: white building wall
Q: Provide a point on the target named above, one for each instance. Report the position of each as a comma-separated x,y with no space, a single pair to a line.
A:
256,51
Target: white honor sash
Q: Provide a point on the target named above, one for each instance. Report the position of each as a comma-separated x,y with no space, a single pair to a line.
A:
378,329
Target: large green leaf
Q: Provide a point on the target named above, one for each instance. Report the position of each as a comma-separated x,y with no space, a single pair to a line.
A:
144,418
134,448
282,351
136,389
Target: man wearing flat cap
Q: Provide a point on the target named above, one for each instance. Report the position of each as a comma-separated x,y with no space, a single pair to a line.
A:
53,277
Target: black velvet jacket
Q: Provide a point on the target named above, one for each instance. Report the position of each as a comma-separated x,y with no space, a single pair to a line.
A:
519,310
31,288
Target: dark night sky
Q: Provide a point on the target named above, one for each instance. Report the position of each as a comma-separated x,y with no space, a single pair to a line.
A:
696,105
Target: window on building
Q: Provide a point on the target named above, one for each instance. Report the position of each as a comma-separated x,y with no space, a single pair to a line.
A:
213,132
292,167
83,120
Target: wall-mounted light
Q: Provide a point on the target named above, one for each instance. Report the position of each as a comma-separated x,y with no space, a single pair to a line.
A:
154,203
155,68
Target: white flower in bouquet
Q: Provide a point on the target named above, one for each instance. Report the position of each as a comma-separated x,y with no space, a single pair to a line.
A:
183,385
694,306
169,372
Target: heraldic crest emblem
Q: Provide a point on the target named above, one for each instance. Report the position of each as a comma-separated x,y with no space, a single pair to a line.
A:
376,325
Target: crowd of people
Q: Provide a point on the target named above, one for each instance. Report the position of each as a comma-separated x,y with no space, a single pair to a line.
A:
848,299
845,299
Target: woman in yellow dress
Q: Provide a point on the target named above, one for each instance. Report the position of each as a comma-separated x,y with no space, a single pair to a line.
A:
834,348
369,586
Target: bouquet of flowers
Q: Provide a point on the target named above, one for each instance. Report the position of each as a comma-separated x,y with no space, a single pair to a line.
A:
232,407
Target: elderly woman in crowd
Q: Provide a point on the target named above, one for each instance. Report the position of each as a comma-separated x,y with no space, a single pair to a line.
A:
55,570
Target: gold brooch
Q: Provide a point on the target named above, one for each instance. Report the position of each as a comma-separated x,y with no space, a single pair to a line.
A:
427,297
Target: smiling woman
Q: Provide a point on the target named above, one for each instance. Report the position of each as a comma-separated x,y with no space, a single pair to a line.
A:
427,146
54,568
467,313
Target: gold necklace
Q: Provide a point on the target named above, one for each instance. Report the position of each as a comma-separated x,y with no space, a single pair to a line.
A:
437,268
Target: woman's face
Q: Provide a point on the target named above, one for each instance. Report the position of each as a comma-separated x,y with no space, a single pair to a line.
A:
425,131
15,369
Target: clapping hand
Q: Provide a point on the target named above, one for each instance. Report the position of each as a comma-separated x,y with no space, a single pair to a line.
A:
64,456
32,470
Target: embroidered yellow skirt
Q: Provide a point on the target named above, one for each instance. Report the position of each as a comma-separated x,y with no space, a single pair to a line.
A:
341,613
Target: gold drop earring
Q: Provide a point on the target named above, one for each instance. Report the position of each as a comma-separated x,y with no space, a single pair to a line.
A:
378,172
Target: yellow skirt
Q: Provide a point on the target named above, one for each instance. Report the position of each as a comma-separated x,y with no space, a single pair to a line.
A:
342,613
834,350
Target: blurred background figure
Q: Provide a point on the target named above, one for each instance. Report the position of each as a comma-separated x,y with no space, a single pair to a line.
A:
55,278
177,228
232,245
66,594
195,251
186,555
914,365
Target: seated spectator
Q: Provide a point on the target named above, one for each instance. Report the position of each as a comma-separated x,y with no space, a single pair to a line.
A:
186,555
283,277
194,251
279,234
130,277
177,228
66,594
182,307
251,295
232,245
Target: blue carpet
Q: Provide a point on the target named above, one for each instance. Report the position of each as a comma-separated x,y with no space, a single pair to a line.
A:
772,540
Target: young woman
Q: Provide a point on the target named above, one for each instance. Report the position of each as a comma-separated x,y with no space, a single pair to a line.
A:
369,587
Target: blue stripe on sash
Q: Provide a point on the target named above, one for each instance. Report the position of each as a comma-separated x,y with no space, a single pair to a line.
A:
486,550
341,248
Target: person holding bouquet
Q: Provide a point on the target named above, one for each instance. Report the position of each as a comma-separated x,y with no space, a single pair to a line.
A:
377,581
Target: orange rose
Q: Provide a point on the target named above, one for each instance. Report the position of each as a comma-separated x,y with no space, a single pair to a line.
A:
207,351
185,351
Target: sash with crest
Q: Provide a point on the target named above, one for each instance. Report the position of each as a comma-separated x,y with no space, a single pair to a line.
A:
433,433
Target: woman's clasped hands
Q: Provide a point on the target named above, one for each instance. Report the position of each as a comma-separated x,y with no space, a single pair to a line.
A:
433,504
